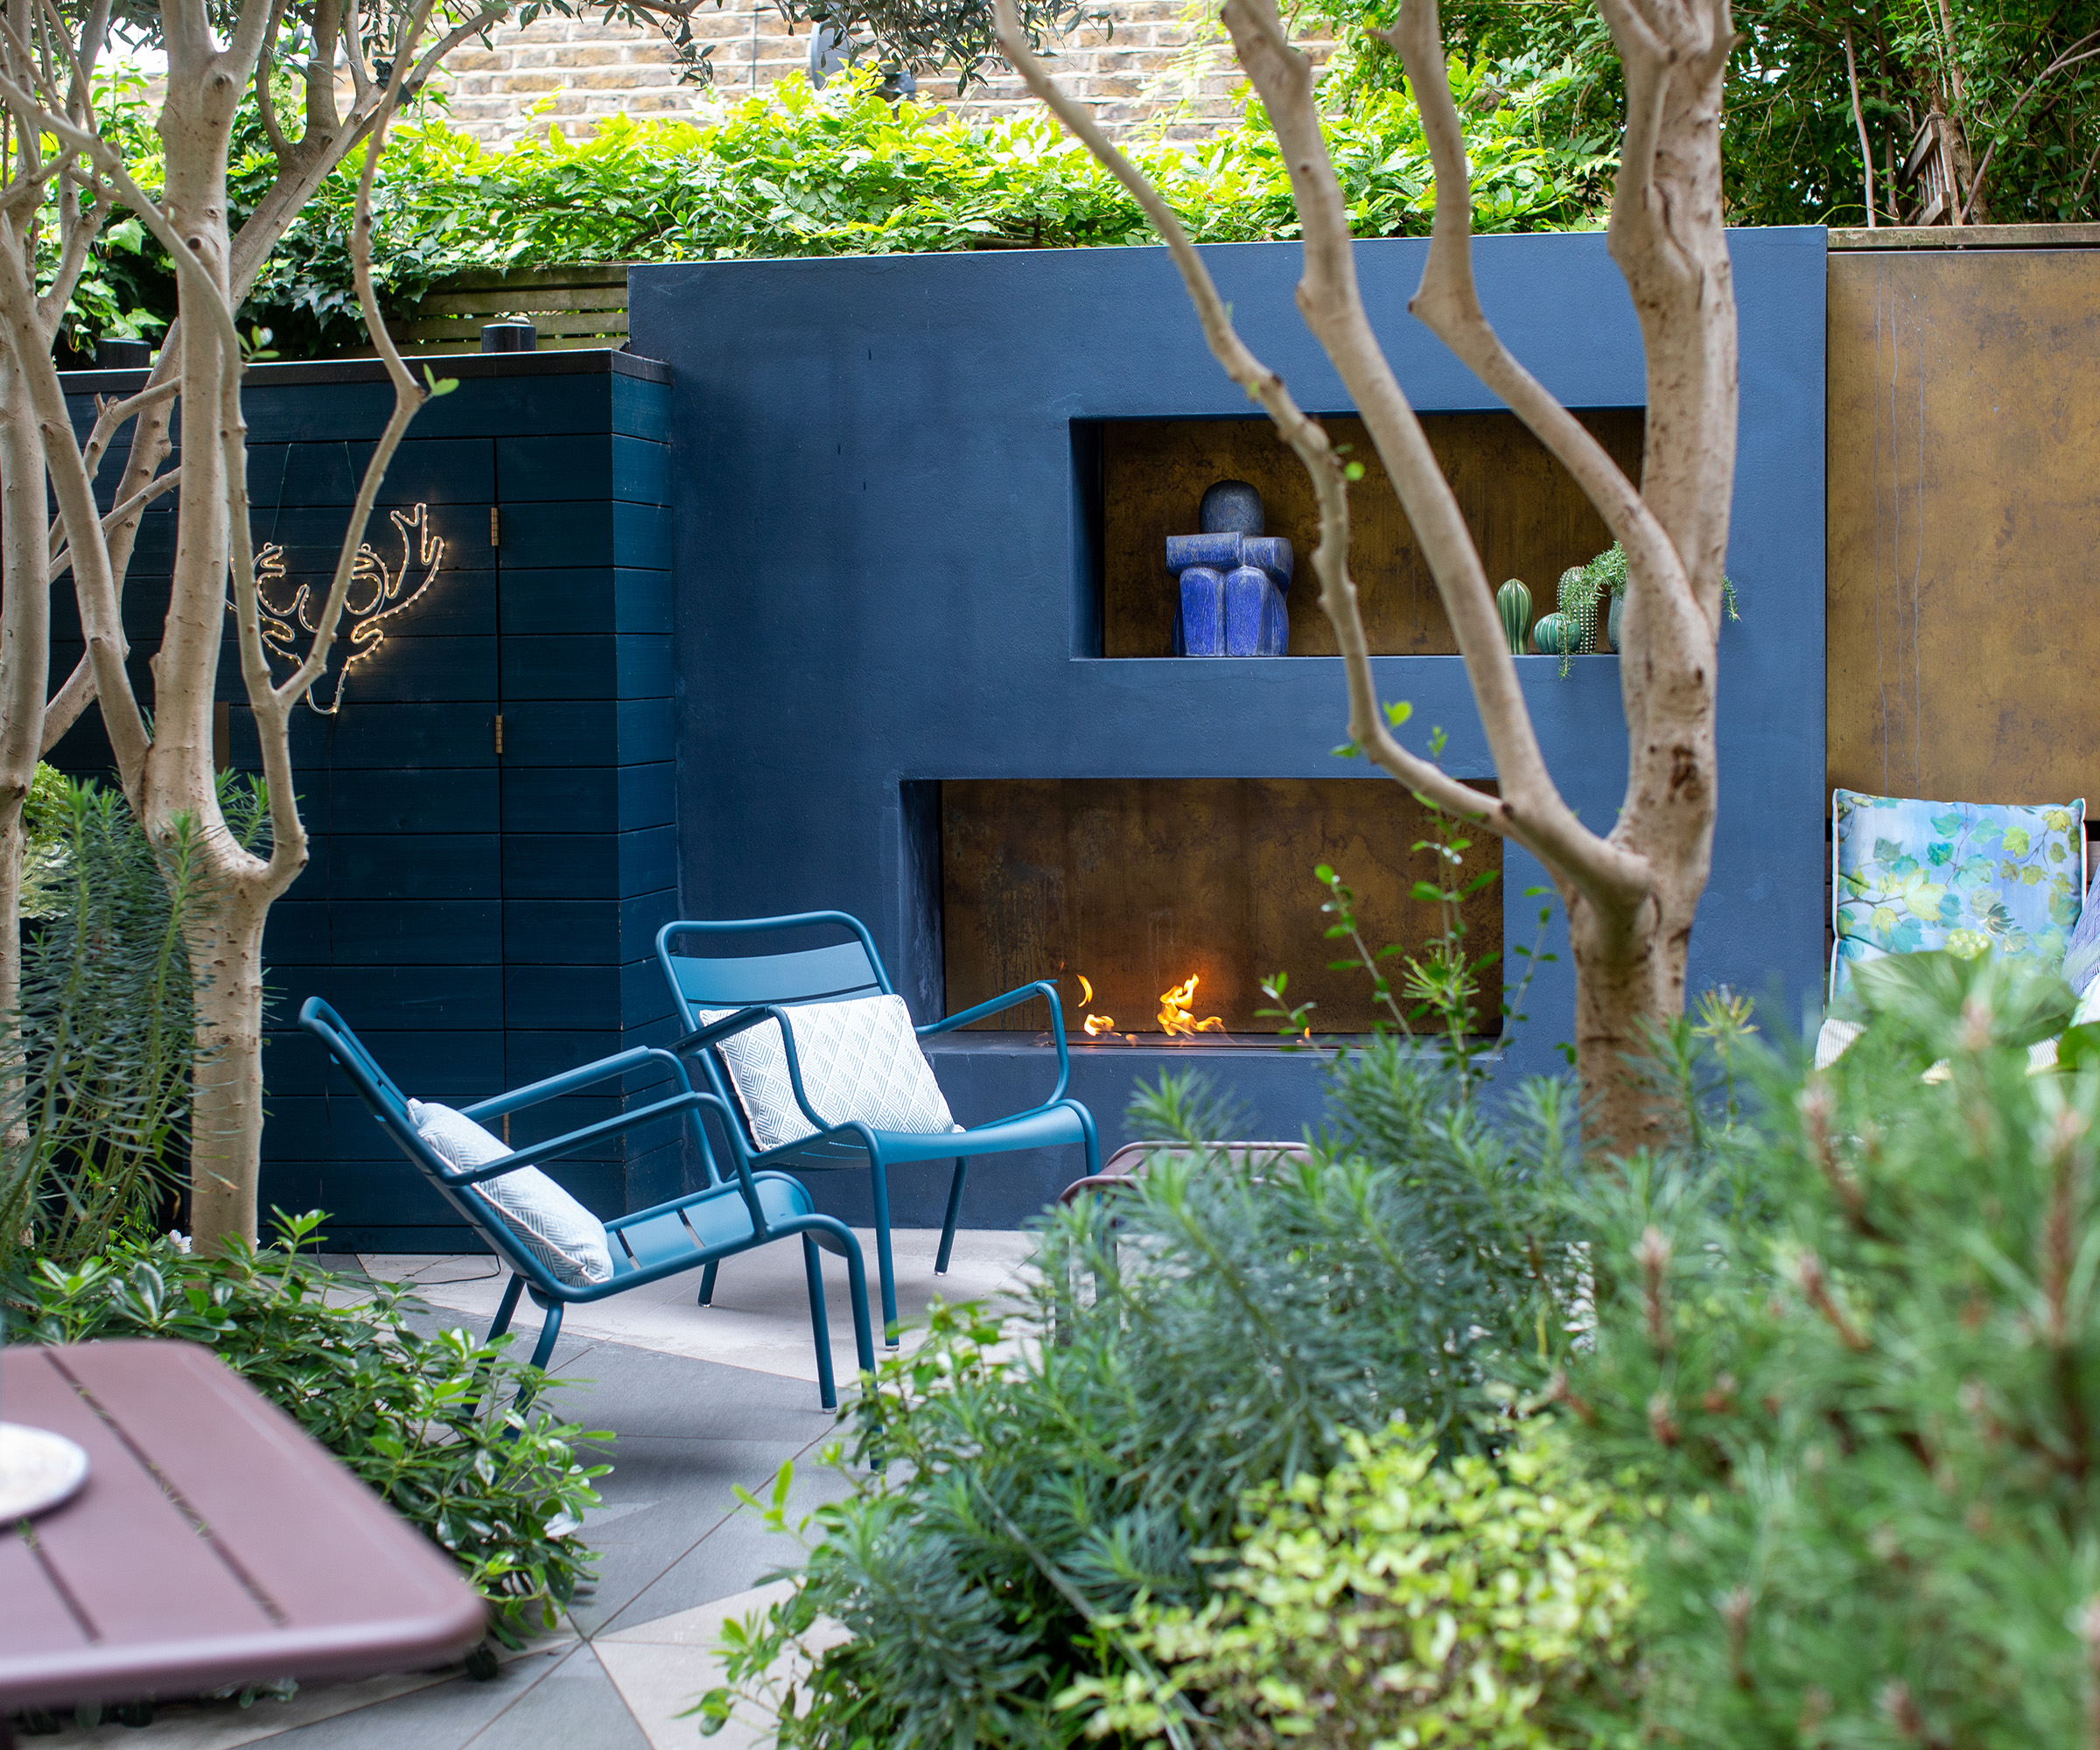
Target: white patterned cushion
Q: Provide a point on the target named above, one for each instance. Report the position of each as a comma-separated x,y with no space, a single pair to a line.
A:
552,1225
860,1060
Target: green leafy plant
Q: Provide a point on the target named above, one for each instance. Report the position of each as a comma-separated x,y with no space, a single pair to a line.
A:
796,172
1482,1604
437,1424
97,1139
1223,1323
1856,1370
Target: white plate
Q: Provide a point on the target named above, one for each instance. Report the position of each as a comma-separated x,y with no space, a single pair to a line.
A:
38,1470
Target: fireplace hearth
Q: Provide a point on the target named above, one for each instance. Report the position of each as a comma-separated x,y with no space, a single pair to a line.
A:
1158,905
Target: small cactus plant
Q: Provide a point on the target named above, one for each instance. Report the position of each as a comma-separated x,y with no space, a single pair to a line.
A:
1579,591
1557,635
1512,601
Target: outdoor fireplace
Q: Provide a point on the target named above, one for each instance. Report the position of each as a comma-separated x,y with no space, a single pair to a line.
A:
1159,905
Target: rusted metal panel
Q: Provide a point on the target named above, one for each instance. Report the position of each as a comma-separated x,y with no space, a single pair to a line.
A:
1138,883
1528,515
1963,512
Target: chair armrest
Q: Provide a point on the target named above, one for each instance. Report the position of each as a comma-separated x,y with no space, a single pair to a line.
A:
555,1147
741,1021
569,1080
1012,999
714,1032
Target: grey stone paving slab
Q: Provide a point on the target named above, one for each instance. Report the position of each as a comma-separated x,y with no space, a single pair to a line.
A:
447,1715
575,1706
662,1498
737,1553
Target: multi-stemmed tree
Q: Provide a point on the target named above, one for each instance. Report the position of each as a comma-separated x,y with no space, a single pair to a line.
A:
1629,893
62,180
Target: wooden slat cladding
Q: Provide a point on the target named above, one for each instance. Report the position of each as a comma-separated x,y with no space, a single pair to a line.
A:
1137,883
1529,517
1964,497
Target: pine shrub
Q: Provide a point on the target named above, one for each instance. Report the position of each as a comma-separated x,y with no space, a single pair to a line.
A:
1861,1375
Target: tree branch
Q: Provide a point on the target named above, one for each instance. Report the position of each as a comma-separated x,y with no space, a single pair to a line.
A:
1310,443
273,703
1531,808
2068,58
1448,304
74,491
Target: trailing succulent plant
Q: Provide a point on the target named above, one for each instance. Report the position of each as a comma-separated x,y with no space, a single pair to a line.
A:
1569,631
1583,588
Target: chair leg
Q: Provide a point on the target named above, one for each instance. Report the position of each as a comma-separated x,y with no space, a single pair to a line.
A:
820,1322
707,1284
509,1306
856,1291
879,1181
498,1325
1093,1139
542,1349
954,1208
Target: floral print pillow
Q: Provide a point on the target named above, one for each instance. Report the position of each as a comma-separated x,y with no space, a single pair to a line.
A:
1974,877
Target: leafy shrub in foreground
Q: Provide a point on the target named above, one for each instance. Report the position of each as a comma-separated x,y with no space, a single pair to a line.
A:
1481,1604
1217,1325
1867,1393
498,1488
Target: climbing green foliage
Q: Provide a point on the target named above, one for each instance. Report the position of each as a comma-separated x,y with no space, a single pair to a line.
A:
797,172
2015,75
1482,1604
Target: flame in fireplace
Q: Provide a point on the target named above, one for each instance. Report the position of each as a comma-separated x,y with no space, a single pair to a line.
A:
1176,1016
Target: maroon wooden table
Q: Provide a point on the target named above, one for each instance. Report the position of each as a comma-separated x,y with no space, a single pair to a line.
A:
213,1543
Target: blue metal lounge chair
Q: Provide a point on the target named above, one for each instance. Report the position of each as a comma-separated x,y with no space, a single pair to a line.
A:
697,1232
761,986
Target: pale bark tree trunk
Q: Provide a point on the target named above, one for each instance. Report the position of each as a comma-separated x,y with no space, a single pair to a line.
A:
24,657
1630,894
168,774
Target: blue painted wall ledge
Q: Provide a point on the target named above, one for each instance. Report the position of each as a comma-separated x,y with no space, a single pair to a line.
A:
880,539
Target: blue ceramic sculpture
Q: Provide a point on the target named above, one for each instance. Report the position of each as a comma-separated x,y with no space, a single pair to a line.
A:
1231,579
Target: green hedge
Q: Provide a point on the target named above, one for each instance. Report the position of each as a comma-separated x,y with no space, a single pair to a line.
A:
795,172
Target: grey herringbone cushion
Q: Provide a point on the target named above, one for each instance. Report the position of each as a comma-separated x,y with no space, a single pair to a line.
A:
860,1060
553,1226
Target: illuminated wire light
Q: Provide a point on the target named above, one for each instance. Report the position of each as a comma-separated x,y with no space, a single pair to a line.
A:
376,596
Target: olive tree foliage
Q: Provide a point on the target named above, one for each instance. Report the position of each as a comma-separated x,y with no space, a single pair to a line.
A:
1629,893
357,61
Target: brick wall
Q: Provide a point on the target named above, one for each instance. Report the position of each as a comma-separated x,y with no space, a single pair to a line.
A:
1157,70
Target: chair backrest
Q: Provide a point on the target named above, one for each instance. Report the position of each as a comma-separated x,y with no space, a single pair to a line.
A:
389,1106
732,981
1908,876
827,974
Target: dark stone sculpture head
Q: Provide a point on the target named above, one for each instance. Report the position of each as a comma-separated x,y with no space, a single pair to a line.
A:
1231,507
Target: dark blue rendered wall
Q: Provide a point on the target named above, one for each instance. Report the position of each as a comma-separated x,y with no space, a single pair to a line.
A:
879,581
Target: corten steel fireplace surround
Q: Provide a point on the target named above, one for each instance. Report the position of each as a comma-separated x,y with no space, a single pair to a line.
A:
921,619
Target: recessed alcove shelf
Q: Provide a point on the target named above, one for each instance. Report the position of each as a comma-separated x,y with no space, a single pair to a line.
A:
1140,482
